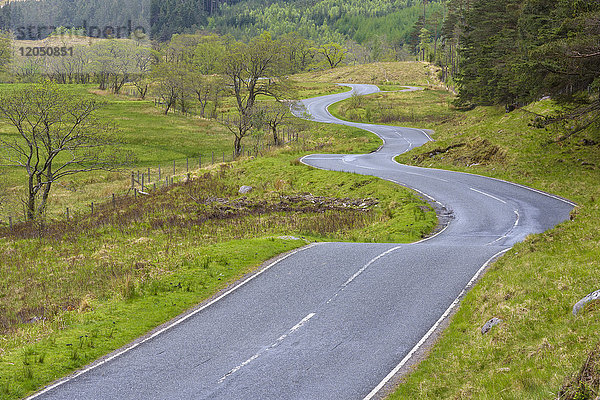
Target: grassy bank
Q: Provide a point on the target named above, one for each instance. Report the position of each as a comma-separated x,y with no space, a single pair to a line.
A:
420,109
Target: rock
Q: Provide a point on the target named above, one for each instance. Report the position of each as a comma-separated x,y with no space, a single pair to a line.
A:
245,189
488,325
582,303
288,238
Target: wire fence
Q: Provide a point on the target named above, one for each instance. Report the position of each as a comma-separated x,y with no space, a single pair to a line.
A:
142,182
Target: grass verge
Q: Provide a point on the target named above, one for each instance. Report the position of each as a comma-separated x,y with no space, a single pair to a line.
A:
420,109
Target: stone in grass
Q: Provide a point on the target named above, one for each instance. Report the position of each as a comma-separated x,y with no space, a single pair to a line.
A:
288,238
488,325
582,303
245,189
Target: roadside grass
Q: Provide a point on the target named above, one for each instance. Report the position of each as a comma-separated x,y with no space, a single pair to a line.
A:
540,346
307,89
419,109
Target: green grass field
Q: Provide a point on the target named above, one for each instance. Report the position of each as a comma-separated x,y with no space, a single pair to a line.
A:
155,140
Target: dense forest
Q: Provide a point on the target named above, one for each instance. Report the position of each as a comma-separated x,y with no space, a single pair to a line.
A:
377,24
512,52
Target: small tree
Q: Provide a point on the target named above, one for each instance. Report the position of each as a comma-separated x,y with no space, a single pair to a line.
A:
252,70
205,88
170,84
274,116
57,135
333,54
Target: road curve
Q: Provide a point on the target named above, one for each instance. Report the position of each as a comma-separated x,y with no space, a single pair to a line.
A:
331,320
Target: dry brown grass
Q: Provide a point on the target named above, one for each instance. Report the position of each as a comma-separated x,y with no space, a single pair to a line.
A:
403,73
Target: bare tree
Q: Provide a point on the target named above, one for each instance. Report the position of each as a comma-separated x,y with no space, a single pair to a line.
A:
144,57
57,135
205,88
241,125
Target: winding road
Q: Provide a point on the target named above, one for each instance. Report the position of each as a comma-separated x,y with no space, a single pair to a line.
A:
330,320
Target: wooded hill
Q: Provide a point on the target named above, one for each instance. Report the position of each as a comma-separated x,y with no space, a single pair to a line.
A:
512,52
369,21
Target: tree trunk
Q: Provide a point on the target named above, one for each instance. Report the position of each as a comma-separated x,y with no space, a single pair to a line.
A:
31,200
237,146
44,200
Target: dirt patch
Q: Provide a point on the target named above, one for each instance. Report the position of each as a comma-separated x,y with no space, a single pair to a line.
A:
586,383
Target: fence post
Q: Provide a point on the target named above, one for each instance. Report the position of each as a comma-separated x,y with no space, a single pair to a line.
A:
68,212
223,156
213,157
132,180
155,186
187,164
143,183
173,167
92,206
159,173
114,203
149,175
135,193
10,222
200,161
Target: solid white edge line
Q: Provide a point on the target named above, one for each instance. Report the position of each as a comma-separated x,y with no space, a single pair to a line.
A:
494,179
166,328
427,135
432,329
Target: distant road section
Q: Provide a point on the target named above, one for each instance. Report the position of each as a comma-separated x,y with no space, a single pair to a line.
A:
332,320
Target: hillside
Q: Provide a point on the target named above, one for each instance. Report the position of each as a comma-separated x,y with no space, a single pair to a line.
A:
378,22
